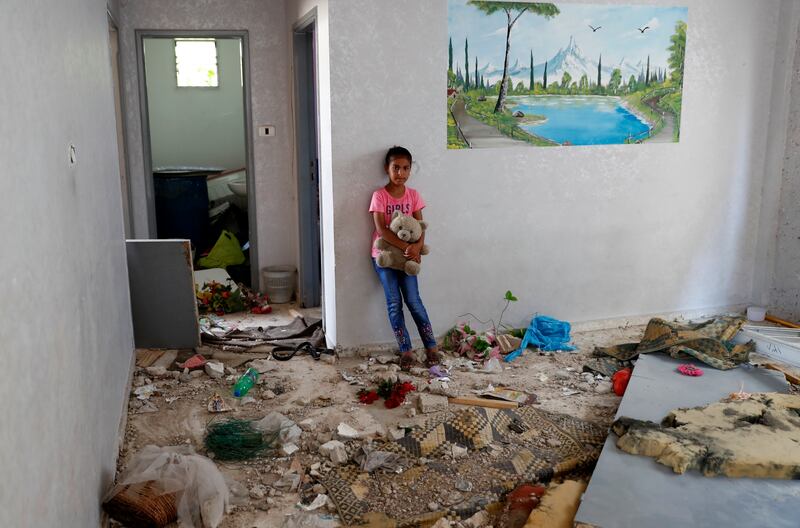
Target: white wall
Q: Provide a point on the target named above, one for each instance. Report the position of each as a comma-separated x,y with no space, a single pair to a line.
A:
195,126
579,233
275,184
295,11
785,295
66,334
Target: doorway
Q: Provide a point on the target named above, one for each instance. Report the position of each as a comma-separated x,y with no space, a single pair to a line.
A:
195,105
308,184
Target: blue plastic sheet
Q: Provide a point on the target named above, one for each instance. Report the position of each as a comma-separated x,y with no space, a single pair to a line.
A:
545,333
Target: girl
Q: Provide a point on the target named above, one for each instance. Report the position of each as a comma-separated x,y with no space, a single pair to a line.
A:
397,286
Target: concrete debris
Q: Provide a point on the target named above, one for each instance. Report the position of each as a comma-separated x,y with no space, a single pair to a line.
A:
384,359
258,491
603,387
442,388
463,485
268,394
433,506
335,451
289,449
442,523
247,400
286,429
430,403
459,451
144,392
479,520
308,424
290,482
147,407
214,370
346,432
395,433
158,372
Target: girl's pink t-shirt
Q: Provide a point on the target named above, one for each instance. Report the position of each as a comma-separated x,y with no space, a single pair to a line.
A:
383,202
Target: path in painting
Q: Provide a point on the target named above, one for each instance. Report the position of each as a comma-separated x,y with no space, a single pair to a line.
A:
480,135
666,134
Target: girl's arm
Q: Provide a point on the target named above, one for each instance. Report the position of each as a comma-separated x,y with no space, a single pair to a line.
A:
413,251
386,233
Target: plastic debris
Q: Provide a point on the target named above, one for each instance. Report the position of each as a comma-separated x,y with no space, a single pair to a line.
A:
200,489
546,334
217,405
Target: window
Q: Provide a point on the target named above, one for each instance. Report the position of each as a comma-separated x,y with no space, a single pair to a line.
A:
196,62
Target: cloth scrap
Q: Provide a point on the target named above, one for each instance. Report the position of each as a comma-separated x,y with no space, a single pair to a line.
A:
709,342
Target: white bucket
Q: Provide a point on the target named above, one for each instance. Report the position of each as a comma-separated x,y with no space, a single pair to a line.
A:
279,283
756,313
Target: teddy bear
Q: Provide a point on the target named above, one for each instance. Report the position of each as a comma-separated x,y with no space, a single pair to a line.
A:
408,229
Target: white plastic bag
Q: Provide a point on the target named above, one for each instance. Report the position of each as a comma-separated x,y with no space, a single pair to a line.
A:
200,488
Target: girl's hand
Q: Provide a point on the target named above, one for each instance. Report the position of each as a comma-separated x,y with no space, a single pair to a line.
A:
412,252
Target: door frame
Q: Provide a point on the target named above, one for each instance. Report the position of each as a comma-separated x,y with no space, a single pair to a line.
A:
310,276
121,125
141,34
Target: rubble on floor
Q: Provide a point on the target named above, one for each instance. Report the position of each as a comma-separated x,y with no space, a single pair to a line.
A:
345,446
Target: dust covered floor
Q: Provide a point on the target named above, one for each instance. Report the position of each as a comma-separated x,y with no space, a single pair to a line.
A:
316,394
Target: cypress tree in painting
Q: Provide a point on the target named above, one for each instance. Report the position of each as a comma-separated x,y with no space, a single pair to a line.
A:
544,79
530,86
599,65
647,74
475,79
450,56
466,64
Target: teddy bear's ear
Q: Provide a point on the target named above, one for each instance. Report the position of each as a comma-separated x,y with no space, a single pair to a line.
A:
423,224
396,214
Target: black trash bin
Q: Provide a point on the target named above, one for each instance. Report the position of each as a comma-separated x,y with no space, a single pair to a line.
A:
181,199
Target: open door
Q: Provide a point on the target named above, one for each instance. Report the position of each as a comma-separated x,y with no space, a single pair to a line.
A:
305,82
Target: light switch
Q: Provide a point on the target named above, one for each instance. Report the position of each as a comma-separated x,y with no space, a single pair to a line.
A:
266,130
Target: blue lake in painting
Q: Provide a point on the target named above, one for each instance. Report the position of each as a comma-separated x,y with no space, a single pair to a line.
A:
580,120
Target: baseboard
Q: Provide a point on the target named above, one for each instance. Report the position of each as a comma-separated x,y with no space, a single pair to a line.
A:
579,326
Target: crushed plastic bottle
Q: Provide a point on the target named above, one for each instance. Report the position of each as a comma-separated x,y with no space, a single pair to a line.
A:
245,383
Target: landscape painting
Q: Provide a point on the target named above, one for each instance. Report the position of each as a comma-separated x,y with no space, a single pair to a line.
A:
555,74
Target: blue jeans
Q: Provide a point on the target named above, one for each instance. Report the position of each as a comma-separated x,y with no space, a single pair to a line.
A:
397,286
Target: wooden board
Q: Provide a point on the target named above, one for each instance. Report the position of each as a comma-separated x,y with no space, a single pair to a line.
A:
483,402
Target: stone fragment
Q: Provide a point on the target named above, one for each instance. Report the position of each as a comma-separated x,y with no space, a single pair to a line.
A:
289,449
308,424
603,387
346,432
268,394
395,433
442,388
459,451
258,491
290,482
429,403
214,369
433,506
442,523
479,520
335,451
463,485
157,372
196,374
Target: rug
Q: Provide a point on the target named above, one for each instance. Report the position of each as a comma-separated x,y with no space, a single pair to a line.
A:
709,342
550,445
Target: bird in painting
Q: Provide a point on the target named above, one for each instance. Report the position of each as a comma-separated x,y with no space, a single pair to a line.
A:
642,30
594,29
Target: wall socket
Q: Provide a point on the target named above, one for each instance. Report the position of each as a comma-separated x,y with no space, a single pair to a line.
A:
266,130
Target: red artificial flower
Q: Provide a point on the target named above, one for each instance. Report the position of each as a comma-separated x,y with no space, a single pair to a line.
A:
367,397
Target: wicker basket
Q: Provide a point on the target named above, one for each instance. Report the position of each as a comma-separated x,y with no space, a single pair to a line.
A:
142,505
